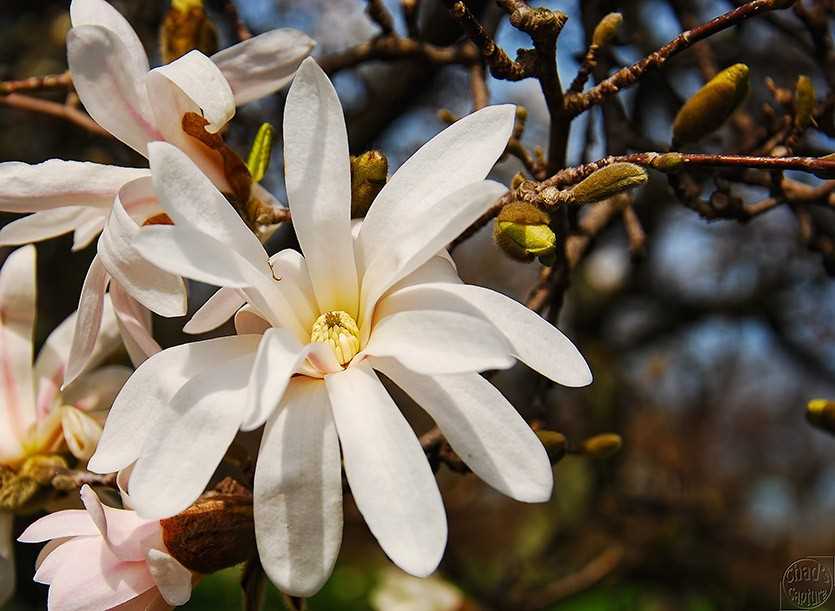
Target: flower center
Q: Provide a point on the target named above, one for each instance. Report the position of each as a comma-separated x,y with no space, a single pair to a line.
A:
340,331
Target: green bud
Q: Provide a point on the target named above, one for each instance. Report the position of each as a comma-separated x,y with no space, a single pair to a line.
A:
804,102
258,160
368,177
606,29
668,162
522,231
602,446
821,414
554,444
712,105
608,181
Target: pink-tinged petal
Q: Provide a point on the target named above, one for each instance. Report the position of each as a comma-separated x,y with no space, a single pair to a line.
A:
95,391
128,536
159,291
111,85
431,232
89,316
8,575
390,478
298,491
47,549
460,155
134,321
101,582
46,224
192,201
483,429
151,600
264,64
218,308
66,523
17,325
172,578
147,394
57,183
86,232
440,342
535,341
189,439
62,555
318,177
101,13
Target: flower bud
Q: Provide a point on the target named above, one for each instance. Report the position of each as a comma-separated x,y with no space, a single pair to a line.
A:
554,443
368,177
668,162
259,155
602,446
821,414
712,105
216,532
522,231
606,30
608,181
184,28
804,102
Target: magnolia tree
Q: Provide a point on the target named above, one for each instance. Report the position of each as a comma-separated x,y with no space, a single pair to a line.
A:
251,443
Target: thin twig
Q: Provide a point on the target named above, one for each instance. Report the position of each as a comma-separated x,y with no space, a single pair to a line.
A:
48,81
234,19
54,109
380,15
396,47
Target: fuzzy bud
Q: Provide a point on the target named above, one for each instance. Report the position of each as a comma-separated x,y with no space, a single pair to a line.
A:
602,446
711,105
608,181
554,443
804,102
184,28
259,155
821,414
668,162
607,29
522,231
368,177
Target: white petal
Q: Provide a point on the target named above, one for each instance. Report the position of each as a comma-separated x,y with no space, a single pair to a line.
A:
7,564
483,429
171,577
189,439
99,12
294,281
159,291
88,319
439,342
17,325
148,392
264,64
535,342
192,201
87,231
218,308
462,154
81,432
318,178
65,523
438,269
134,322
432,231
298,491
201,80
56,183
390,478
96,390
249,321
110,82
46,224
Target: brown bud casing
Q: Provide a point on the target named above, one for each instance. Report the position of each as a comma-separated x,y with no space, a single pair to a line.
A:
606,30
186,27
368,177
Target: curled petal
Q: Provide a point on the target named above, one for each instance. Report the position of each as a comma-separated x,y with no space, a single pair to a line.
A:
89,316
171,577
47,224
218,308
101,13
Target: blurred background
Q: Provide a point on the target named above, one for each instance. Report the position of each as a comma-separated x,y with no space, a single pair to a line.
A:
705,346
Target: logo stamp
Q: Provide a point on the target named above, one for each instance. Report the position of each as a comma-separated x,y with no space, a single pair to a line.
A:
807,583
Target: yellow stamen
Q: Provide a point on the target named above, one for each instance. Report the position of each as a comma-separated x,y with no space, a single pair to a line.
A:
340,331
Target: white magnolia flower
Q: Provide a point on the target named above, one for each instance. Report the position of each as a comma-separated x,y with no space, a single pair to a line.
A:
312,332
137,105
106,558
37,416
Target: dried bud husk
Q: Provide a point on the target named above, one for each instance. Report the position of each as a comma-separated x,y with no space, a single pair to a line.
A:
554,443
804,102
712,105
368,177
186,27
608,181
43,467
602,446
821,414
607,29
18,493
258,161
216,532
522,231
